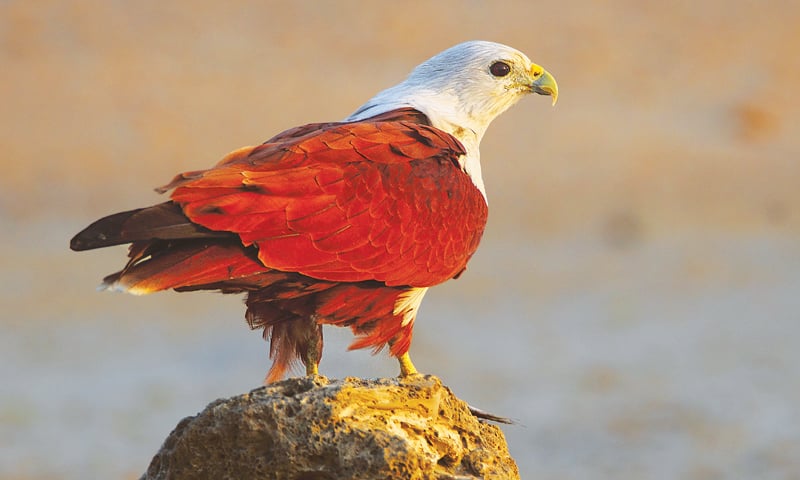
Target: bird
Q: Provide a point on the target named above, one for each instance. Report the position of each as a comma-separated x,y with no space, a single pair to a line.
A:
344,223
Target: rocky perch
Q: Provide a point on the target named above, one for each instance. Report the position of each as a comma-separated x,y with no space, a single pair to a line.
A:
320,429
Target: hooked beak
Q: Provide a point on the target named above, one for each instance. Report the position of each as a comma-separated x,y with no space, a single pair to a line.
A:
544,84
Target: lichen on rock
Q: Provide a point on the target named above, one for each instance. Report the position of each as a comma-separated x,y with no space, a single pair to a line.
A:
313,428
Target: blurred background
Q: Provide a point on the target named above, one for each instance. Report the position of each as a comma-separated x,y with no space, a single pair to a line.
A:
635,303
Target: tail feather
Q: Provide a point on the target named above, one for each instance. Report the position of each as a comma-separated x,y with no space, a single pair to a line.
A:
186,265
164,221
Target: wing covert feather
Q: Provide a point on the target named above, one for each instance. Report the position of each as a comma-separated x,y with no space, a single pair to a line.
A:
381,201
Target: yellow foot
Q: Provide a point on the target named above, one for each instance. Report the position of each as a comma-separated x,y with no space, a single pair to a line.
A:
312,369
406,367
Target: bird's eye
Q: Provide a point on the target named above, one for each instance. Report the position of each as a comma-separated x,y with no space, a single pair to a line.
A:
499,69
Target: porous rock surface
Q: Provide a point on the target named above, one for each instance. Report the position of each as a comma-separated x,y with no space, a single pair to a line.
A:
318,429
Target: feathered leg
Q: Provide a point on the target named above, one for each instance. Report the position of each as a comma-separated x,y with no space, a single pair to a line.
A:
290,325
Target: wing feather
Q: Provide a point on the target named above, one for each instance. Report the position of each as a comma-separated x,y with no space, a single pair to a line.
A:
383,201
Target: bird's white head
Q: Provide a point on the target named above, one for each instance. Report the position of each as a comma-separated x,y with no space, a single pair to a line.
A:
462,89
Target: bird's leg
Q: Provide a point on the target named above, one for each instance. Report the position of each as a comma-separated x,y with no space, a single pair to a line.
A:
405,311
311,353
406,367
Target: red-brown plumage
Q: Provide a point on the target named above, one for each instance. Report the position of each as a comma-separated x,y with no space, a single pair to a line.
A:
326,223
391,191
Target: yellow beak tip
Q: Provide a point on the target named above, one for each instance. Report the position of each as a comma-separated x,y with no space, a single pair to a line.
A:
545,84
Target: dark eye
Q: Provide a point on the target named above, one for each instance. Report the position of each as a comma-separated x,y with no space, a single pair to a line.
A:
499,69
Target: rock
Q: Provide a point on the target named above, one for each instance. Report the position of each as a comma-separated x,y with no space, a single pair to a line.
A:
318,429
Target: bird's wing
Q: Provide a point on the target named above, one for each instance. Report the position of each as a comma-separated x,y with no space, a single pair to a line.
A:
384,201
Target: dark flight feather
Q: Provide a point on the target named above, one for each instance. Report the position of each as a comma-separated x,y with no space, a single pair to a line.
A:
164,221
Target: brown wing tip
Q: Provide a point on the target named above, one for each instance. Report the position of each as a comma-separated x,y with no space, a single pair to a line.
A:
80,243
89,239
101,233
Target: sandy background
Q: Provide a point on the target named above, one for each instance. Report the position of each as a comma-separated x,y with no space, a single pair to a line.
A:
635,302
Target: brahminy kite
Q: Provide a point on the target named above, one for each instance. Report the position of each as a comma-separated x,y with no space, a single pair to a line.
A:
342,223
